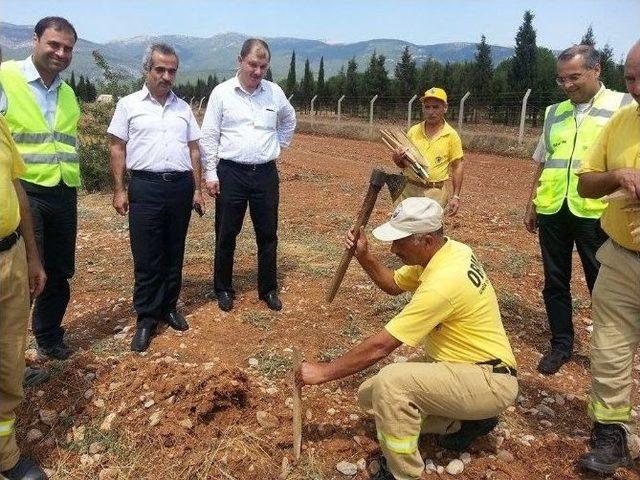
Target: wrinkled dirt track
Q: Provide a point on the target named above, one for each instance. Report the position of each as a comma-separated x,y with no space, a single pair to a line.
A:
187,408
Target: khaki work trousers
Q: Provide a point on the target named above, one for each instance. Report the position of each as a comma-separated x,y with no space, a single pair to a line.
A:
14,317
411,398
440,195
616,334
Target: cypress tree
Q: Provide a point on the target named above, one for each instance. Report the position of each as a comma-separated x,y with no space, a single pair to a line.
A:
406,74
321,90
291,76
523,67
268,75
588,38
483,69
306,85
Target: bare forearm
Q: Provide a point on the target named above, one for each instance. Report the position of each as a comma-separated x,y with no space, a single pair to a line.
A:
369,352
597,184
118,167
26,223
194,153
456,177
382,276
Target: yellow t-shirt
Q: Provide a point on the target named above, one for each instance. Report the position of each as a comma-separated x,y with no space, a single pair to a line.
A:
11,166
454,311
439,151
618,146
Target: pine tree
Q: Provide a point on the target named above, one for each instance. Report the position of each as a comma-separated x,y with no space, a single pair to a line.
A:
306,84
215,81
321,89
291,76
588,38
406,74
92,94
351,79
523,67
377,79
268,76
81,91
483,70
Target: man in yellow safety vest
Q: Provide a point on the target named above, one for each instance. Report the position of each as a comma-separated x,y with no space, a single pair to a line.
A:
42,113
562,217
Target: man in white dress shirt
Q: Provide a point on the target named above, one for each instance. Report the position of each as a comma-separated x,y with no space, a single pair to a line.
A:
154,136
247,121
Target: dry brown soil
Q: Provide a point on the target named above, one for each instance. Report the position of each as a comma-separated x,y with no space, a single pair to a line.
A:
187,408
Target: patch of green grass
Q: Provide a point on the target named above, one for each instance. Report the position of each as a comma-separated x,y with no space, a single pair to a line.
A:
109,347
261,320
509,302
307,469
391,306
330,353
516,264
351,329
272,364
109,440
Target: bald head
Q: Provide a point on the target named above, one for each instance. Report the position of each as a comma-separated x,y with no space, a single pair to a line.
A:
632,71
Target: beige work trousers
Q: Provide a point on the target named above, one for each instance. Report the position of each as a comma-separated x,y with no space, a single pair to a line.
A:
410,398
14,316
440,195
616,334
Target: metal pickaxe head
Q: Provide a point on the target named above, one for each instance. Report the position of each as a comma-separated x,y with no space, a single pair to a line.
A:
395,183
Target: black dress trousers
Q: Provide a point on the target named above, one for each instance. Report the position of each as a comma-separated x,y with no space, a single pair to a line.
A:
54,211
257,186
159,213
558,233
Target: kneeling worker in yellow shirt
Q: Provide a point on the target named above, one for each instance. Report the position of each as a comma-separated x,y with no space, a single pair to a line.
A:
440,146
468,374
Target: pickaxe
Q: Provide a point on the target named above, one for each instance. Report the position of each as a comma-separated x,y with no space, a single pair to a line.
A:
378,178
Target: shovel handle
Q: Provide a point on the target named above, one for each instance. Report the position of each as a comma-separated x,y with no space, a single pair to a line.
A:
297,408
347,255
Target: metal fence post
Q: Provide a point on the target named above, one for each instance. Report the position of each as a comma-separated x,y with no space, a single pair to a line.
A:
375,97
461,111
200,105
413,99
191,102
289,98
340,106
313,103
523,115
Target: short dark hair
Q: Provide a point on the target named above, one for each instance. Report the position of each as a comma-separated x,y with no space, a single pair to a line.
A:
590,55
249,45
162,49
57,23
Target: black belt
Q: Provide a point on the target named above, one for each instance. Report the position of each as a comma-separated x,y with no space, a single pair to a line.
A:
9,241
248,166
500,367
164,176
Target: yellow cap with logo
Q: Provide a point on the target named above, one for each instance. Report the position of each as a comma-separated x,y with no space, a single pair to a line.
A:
435,92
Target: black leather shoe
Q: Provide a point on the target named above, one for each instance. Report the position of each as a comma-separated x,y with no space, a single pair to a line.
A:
142,338
469,431
25,469
176,321
225,301
59,351
551,361
272,300
609,449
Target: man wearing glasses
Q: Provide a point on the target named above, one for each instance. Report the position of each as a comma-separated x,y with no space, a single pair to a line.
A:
555,209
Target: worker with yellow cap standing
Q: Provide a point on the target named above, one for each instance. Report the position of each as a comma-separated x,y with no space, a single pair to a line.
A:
441,148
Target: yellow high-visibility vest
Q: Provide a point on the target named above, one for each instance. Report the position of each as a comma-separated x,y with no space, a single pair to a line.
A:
567,144
49,154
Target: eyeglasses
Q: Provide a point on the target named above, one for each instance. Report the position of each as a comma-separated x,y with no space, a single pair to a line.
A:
573,78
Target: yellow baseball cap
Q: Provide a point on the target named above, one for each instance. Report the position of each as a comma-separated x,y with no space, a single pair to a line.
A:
435,92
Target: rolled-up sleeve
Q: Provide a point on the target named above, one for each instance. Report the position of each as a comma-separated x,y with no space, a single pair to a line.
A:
210,140
286,120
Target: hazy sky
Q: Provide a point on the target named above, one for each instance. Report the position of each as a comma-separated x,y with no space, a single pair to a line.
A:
559,23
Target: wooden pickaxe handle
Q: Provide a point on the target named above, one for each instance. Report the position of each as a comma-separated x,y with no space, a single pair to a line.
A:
297,408
363,218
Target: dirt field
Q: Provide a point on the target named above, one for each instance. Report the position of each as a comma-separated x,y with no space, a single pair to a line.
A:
188,408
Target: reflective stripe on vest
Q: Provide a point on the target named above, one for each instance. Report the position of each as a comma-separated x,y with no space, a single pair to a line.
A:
567,144
6,427
50,154
405,445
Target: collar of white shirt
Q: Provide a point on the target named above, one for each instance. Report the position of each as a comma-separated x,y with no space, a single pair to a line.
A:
31,73
144,94
238,86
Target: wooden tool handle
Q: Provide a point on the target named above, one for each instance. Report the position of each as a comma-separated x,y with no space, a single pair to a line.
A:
363,218
297,408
